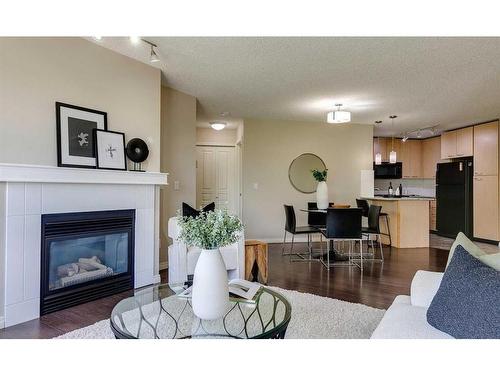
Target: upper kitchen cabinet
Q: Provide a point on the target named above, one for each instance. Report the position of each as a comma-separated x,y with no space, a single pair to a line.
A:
486,149
411,156
448,145
379,146
457,143
431,156
465,142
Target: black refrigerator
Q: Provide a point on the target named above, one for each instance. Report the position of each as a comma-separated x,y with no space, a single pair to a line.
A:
454,198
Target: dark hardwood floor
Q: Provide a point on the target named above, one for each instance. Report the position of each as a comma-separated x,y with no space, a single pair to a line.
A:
377,287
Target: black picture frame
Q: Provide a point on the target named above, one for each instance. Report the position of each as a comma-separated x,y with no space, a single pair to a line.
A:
63,151
120,150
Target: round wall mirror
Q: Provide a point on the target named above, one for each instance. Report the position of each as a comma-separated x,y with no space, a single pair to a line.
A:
300,174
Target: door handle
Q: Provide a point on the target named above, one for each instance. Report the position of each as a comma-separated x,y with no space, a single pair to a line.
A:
478,179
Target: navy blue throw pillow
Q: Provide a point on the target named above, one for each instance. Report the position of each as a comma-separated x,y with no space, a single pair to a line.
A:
189,211
467,303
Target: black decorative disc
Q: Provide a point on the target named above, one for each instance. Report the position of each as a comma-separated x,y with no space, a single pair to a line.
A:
137,150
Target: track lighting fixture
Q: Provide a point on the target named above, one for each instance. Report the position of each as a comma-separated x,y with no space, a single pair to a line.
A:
153,56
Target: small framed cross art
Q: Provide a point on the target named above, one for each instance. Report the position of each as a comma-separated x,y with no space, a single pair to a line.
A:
110,150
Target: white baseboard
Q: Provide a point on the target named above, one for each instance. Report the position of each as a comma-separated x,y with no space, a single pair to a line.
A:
2,322
298,239
163,265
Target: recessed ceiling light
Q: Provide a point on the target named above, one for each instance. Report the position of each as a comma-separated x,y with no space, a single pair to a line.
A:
135,40
338,116
218,125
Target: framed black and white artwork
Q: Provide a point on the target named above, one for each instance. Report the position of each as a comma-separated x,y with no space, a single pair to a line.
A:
110,150
75,135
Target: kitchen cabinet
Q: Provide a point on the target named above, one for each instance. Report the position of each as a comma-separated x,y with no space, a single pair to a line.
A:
486,208
432,215
411,156
448,145
379,145
431,156
408,221
486,149
486,194
465,142
457,143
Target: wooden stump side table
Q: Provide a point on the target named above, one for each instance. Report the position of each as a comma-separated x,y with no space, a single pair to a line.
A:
256,260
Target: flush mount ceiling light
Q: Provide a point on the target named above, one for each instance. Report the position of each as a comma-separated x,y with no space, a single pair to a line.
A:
98,38
338,116
218,125
392,155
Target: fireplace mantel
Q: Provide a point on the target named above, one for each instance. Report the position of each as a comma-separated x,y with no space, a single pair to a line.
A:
49,174
27,192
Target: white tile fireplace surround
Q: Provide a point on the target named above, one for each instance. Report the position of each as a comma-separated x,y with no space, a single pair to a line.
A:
28,191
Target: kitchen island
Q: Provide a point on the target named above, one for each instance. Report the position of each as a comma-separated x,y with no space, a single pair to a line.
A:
408,220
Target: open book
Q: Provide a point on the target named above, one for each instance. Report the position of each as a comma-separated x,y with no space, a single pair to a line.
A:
239,290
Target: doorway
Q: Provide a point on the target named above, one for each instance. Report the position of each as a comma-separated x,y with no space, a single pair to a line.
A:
217,178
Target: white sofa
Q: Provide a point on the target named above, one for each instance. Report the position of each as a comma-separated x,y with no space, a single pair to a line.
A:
182,259
406,318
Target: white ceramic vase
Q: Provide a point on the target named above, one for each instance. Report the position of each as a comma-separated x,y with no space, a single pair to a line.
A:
210,290
322,195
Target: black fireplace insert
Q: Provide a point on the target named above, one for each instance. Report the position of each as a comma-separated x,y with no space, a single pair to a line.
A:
85,256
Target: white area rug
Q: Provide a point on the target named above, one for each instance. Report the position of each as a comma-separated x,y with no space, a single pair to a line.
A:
313,317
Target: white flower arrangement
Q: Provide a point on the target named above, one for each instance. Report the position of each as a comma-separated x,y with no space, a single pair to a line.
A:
210,230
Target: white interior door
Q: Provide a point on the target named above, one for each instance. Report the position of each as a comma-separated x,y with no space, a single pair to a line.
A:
216,177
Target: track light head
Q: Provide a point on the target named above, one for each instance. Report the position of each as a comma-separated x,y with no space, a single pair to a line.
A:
153,56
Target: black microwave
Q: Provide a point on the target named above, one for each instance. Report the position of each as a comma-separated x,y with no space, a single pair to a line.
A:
388,170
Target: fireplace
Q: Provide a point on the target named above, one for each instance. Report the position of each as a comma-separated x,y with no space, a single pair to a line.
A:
85,256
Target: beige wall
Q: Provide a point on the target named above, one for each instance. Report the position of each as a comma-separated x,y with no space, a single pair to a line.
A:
211,137
37,72
269,148
178,156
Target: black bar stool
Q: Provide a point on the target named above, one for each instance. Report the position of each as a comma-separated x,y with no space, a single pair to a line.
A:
365,207
373,228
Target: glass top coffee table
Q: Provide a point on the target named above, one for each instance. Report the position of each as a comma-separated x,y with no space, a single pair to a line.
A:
158,313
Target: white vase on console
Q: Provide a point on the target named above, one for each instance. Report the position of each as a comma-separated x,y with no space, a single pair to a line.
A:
322,195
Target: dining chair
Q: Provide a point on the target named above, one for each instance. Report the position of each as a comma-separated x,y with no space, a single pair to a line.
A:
292,228
373,229
316,219
343,224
